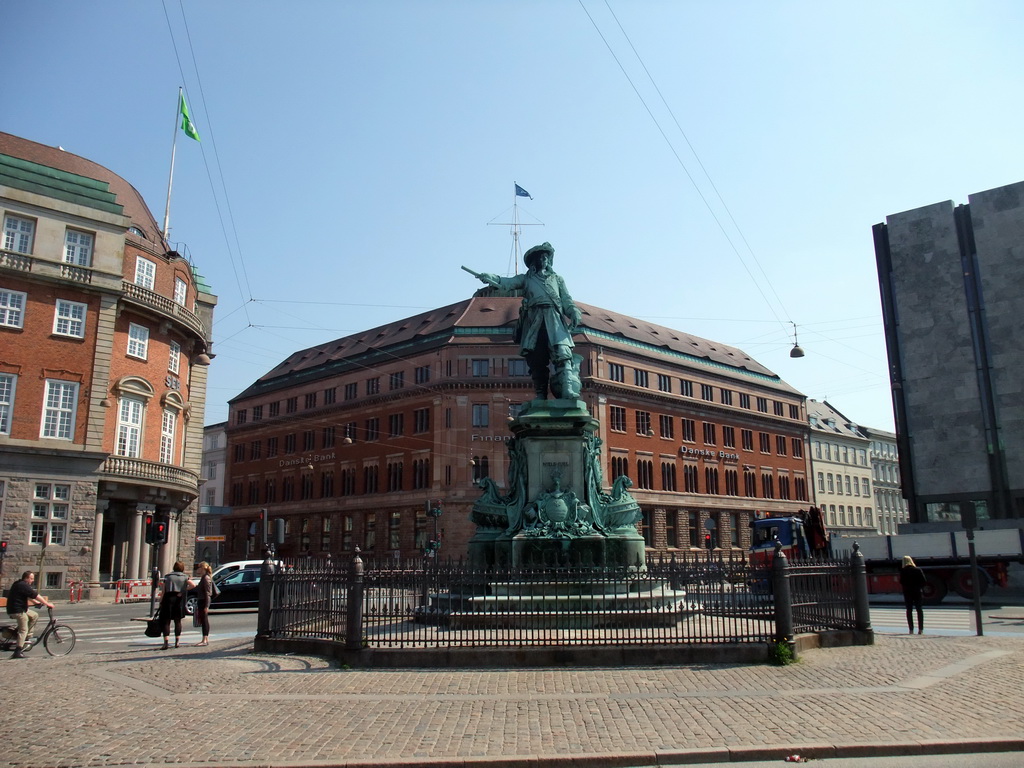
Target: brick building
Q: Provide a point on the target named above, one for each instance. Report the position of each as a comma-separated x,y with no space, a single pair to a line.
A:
104,343
348,441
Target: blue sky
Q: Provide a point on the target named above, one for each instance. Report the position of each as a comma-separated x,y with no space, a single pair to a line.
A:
715,167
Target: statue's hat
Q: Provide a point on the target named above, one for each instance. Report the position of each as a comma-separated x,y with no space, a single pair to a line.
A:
536,251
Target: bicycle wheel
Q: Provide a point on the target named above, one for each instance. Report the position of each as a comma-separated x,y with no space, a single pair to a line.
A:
60,640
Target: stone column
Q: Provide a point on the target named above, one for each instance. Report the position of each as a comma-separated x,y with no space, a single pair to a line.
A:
134,541
97,543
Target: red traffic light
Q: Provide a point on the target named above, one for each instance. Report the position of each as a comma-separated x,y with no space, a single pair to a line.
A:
3,547
707,540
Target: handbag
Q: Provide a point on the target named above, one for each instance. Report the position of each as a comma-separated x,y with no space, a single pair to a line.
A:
213,589
154,627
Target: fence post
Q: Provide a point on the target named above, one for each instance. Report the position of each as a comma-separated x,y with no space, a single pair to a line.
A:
354,619
783,598
266,591
859,574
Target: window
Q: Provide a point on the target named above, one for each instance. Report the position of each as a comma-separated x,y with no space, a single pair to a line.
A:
643,424
394,475
765,441
241,416
821,482
768,486
330,395
289,443
239,453
640,378
351,391
668,483
145,273
396,425
271,447
422,374
481,367
8,383
396,380
780,445
328,437
349,430
129,426
664,383
762,404
798,447
420,473
370,534
690,478
12,308
693,525
373,385
373,429
421,420
69,319
275,409
168,425
729,437
794,411
732,482
174,363
709,434
783,487
51,508
18,234
78,248
138,341
616,418
707,392
726,395
848,491
59,408
517,367
747,438
667,424
749,483
308,439
777,408
686,388
711,480
481,415
689,431
616,372
291,405
645,473
865,487
620,466
831,483
481,468
180,291
744,400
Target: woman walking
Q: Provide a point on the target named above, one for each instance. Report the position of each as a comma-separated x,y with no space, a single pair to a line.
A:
172,605
202,617
912,580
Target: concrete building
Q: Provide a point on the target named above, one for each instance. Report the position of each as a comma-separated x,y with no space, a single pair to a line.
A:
952,287
842,471
890,506
349,441
104,343
209,539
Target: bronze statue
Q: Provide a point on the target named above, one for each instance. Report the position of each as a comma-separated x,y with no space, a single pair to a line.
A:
547,317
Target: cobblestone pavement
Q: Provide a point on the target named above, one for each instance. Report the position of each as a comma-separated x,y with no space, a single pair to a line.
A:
226,706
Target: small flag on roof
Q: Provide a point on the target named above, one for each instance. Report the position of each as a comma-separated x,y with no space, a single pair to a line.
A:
520,192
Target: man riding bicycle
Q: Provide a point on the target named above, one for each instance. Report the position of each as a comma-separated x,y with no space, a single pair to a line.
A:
21,595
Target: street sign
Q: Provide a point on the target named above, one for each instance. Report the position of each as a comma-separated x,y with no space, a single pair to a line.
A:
211,538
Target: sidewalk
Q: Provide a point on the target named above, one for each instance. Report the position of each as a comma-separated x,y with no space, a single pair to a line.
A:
225,706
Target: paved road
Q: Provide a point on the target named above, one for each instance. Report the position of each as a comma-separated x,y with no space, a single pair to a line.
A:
226,706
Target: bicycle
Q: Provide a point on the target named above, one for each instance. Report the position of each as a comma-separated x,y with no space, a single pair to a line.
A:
58,639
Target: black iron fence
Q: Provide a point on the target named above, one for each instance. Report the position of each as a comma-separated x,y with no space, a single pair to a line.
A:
434,604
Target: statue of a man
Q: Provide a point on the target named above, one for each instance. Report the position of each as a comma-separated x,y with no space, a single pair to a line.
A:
546,318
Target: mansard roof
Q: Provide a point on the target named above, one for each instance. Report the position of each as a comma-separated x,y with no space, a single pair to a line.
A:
491,319
127,197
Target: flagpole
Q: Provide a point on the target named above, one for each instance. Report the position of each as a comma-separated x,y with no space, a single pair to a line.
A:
170,179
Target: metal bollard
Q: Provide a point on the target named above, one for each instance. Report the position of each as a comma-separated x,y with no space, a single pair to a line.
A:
859,576
783,598
354,619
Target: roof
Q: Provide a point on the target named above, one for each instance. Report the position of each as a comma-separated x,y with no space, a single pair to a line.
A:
826,419
492,318
125,195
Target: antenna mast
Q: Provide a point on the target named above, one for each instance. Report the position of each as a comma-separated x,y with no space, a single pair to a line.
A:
515,225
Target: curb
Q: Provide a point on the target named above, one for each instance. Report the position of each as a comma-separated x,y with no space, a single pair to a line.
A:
703,756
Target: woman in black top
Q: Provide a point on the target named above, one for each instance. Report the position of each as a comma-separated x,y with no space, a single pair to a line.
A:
172,605
203,601
912,580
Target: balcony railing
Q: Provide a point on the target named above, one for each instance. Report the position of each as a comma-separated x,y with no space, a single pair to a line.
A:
17,261
165,305
141,471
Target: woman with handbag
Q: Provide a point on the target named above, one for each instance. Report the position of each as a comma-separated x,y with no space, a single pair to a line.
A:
172,605
201,618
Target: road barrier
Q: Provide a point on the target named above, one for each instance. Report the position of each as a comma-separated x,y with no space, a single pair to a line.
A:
130,590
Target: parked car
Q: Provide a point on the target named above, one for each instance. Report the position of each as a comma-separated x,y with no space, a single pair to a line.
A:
239,588
224,570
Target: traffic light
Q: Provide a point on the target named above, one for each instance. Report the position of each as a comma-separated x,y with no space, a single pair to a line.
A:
707,541
265,526
150,532
279,531
160,532
3,547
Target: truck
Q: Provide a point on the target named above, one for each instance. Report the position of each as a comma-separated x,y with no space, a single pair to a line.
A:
943,556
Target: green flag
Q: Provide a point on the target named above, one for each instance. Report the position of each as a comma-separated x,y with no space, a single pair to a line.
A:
186,122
